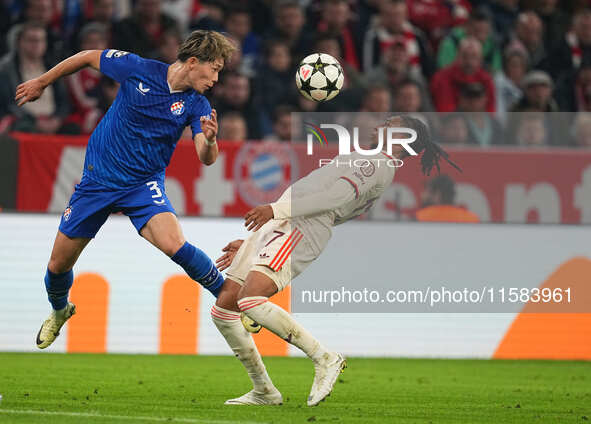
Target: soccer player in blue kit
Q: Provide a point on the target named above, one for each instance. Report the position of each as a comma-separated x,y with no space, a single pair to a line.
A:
127,155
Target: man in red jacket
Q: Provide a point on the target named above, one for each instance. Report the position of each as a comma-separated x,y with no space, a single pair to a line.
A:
467,68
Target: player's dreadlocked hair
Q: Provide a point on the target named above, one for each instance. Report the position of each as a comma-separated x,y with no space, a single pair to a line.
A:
207,46
424,143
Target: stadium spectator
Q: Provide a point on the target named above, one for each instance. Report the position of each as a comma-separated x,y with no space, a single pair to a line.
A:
454,129
574,47
483,129
391,25
435,18
529,33
210,15
274,80
573,92
556,21
508,82
168,46
238,24
103,12
582,130
377,99
236,64
83,86
537,93
47,114
336,20
5,22
235,95
282,124
141,33
289,23
233,127
531,130
181,11
479,27
42,12
467,68
438,203
395,69
407,97
504,14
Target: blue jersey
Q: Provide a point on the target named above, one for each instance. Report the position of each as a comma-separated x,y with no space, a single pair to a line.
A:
135,140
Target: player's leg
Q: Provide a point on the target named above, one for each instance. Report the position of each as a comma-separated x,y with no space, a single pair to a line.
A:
59,275
164,231
153,216
226,317
87,211
58,281
253,301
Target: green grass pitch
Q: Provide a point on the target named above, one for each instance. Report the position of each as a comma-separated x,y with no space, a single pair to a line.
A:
77,388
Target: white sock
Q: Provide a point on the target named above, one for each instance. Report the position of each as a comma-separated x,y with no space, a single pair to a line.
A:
241,342
277,320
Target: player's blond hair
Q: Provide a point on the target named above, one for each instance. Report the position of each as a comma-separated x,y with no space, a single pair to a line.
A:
206,46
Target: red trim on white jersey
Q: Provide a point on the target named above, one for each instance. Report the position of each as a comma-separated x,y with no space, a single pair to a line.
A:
387,155
285,250
354,186
298,237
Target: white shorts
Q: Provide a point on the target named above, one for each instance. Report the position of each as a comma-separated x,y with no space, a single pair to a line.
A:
277,250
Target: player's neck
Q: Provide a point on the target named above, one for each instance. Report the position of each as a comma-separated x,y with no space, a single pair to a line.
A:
177,78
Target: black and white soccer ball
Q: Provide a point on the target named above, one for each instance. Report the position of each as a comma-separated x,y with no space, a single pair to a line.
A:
319,77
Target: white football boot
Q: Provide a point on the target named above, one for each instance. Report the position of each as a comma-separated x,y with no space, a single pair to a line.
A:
326,373
52,325
255,398
251,325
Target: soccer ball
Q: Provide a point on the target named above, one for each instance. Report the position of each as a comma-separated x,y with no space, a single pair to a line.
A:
319,77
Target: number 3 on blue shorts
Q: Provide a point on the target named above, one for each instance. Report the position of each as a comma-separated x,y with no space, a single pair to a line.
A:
157,192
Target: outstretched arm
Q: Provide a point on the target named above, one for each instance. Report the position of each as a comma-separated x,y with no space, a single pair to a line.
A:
31,90
340,193
205,142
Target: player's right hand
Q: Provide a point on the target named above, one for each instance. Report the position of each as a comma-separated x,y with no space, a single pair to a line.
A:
29,91
231,249
257,217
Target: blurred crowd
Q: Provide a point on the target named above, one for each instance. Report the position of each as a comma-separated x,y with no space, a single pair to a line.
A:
476,61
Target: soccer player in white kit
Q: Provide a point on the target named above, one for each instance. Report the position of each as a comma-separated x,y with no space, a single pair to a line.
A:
288,235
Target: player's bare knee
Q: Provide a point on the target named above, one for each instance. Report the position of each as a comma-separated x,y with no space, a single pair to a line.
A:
58,265
257,284
172,245
242,293
228,296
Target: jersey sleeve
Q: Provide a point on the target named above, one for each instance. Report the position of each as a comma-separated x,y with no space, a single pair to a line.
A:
120,65
202,108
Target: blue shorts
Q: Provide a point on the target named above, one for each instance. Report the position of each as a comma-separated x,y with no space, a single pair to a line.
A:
92,203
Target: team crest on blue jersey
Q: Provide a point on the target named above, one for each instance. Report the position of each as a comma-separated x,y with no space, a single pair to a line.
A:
67,213
177,108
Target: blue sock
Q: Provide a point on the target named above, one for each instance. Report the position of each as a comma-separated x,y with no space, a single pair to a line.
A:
199,267
58,287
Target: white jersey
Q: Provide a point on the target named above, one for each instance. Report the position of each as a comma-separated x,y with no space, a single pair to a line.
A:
335,193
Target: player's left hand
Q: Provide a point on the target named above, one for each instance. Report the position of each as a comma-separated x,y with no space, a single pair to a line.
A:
210,126
257,217
231,249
